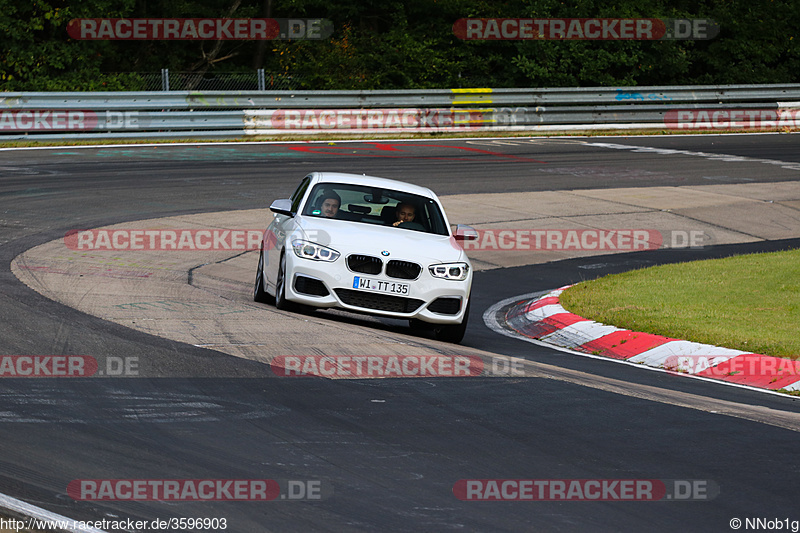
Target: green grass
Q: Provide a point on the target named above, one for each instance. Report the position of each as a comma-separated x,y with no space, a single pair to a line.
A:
747,302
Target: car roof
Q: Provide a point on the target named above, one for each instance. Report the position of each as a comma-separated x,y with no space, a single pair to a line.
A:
371,181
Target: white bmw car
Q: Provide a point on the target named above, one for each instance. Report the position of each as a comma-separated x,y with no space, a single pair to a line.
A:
369,245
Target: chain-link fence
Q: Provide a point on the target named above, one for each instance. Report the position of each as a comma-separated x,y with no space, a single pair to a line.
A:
167,80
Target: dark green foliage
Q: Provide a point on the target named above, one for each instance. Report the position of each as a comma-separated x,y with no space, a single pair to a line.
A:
387,44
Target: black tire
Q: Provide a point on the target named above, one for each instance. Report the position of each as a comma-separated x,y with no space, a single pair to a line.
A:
259,294
453,332
280,293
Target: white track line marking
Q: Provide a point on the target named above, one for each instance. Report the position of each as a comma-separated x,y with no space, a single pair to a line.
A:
37,513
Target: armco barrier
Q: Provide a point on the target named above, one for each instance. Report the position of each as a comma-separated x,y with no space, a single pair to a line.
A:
54,115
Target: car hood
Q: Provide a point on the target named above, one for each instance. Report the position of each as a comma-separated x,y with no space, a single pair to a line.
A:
357,238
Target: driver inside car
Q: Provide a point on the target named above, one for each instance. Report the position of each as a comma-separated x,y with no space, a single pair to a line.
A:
405,212
330,204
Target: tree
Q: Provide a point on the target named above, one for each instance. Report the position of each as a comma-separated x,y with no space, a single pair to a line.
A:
393,44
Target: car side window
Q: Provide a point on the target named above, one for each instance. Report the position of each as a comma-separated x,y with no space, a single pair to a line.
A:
299,193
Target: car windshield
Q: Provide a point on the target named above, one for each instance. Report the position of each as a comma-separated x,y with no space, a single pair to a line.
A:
374,205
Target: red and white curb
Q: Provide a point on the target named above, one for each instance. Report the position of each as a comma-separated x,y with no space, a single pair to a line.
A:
544,319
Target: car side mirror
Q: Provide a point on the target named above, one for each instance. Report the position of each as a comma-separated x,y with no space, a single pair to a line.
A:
465,233
282,207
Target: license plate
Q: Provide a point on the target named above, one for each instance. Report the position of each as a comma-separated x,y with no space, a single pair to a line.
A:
377,285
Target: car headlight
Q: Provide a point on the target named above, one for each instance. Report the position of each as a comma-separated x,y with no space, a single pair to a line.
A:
454,271
314,251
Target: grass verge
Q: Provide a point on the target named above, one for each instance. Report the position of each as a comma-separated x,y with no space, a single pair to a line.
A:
748,302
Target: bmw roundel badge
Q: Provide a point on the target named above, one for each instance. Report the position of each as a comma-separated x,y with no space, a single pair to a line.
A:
385,253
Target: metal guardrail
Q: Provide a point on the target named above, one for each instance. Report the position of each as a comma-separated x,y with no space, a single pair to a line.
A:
187,100
51,115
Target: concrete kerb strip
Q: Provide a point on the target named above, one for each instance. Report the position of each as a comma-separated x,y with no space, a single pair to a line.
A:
540,317
148,290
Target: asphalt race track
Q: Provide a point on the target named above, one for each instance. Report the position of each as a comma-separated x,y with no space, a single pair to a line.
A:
388,452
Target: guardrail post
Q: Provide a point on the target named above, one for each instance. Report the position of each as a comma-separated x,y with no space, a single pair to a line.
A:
262,84
165,79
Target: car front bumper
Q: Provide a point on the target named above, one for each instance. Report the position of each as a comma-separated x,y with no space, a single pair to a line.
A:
429,299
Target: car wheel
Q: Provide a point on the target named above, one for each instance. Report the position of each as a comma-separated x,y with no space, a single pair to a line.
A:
453,332
259,294
280,287
280,293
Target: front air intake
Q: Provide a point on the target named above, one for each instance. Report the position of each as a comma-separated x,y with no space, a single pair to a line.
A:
403,269
365,264
380,302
